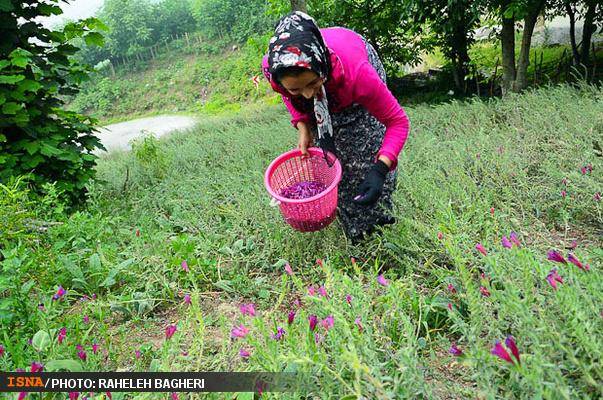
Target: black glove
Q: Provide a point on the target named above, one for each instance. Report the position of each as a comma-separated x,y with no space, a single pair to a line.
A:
371,188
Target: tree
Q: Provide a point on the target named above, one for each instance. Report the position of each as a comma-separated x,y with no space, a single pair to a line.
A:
591,11
37,69
130,24
299,5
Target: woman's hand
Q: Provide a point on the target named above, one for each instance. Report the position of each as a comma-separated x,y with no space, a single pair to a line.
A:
305,138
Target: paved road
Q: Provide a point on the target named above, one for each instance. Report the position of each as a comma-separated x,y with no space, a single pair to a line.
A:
118,136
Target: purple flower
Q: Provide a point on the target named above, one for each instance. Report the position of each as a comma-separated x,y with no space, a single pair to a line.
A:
79,347
187,299
1,350
36,367
239,331
322,291
499,351
485,292
59,294
514,239
174,396
318,338
291,317
313,320
73,395
328,322
449,305
41,306
553,277
480,247
62,335
451,288
86,319
553,255
247,309
169,331
184,266
510,342
137,354
506,243
563,193
311,290
82,355
455,351
95,348
358,323
382,281
583,170
244,353
440,235
571,258
280,332
348,299
597,196
288,269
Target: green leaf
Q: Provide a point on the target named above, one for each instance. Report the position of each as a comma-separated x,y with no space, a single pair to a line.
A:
47,9
49,150
10,108
11,79
6,5
94,38
69,365
224,285
27,286
29,85
2,99
41,340
4,64
110,279
20,61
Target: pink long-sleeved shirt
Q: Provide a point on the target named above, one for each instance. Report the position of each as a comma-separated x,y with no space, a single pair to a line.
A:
354,80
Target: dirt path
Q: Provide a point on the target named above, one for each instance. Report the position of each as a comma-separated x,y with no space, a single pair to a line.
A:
118,136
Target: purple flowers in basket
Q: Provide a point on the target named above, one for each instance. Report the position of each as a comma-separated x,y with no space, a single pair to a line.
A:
303,190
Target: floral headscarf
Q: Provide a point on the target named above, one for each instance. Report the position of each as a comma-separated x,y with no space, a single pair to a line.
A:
297,42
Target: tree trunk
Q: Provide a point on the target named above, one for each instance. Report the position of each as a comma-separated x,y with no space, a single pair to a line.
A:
507,41
588,30
299,5
521,79
572,31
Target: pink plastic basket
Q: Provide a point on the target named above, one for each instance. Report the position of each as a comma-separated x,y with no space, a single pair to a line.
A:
313,213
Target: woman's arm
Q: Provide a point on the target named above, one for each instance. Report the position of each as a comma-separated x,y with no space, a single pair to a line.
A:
372,93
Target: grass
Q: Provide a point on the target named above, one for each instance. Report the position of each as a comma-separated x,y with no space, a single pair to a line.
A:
198,197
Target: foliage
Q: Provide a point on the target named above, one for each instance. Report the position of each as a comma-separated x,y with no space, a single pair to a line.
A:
37,70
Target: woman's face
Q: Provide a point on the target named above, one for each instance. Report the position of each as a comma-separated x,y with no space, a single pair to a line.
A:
307,84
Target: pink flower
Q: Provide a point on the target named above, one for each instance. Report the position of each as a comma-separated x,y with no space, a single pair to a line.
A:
563,193
291,317
62,335
353,261
328,322
247,309
514,239
455,351
311,290
239,331
564,181
358,323
440,235
348,299
322,291
382,281
506,243
484,291
574,244
95,348
492,210
137,354
1,350
280,332
571,258
184,266
187,299
313,320
553,277
86,319
109,395
583,170
499,351
244,353
553,255
449,306
510,342
73,395
288,269
597,196
169,331
82,355
319,262
451,288
59,294
480,247
174,396
22,395
36,367
79,347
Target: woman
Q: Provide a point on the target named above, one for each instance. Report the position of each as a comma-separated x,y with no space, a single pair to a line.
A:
333,84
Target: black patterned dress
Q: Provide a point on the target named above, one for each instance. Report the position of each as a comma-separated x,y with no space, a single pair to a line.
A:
358,137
